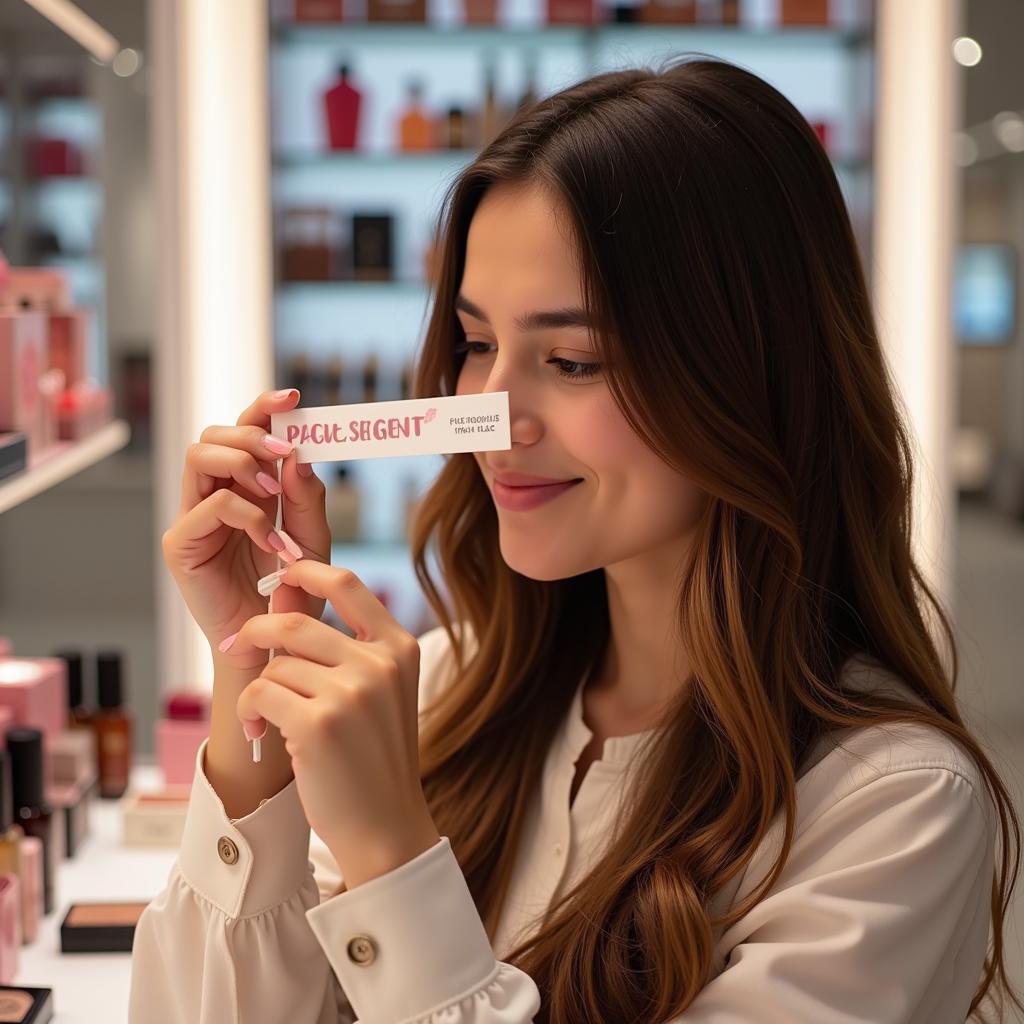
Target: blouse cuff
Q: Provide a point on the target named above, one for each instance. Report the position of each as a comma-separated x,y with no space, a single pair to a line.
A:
249,865
407,942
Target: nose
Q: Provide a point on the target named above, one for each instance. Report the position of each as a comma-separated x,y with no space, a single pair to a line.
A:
524,424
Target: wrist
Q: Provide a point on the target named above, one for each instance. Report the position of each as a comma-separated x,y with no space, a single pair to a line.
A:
368,861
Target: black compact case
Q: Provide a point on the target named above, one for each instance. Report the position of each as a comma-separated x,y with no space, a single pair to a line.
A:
12,1002
99,927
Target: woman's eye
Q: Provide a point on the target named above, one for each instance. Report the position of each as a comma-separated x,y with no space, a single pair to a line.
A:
568,369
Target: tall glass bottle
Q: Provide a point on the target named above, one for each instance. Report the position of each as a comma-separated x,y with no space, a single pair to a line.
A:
113,725
33,813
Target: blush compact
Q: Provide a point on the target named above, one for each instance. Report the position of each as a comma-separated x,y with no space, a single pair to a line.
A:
99,928
20,1005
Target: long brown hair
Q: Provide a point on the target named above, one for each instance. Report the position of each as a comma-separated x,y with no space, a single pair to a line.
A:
708,222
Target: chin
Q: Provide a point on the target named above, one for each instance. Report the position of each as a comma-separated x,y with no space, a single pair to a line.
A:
544,566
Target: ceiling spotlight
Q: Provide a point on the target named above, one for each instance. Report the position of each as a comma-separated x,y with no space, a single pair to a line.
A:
966,51
1008,128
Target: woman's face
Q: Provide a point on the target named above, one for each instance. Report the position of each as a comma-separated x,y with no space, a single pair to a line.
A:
564,425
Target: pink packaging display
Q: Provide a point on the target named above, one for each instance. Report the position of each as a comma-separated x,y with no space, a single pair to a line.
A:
66,347
179,736
10,927
82,410
45,288
22,364
36,691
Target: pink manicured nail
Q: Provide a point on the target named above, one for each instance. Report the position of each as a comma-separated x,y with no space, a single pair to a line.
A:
268,483
276,445
291,547
284,394
253,730
274,540
226,643
304,468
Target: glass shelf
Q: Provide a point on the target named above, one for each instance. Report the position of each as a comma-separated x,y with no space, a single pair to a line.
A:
434,33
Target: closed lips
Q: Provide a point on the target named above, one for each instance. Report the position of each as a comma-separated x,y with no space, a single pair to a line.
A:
526,480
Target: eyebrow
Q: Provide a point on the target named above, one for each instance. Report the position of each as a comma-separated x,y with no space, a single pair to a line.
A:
538,320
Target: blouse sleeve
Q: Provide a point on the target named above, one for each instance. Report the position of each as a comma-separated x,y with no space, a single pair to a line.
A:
881,914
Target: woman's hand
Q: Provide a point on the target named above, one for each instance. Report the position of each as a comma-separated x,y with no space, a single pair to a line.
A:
220,546
347,710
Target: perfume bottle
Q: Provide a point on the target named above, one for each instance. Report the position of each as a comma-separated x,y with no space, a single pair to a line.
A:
79,715
333,376
480,12
342,104
669,12
343,507
805,12
415,128
370,379
572,12
455,128
113,725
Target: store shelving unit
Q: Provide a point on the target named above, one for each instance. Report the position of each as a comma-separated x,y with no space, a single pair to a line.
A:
62,461
826,71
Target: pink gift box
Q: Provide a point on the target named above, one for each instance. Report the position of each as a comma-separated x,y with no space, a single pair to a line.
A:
22,364
36,692
177,744
45,288
67,344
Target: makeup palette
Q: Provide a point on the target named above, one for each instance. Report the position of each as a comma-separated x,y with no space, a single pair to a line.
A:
19,1005
99,928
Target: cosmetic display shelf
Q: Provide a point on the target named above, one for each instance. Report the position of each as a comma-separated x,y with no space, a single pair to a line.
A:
436,33
61,461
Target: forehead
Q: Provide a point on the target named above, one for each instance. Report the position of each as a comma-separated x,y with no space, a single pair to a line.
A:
520,247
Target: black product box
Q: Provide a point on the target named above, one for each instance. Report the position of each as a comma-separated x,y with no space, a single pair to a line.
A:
13,453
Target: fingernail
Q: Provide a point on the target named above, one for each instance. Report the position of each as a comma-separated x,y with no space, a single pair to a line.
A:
276,444
291,547
226,643
304,468
268,483
274,540
285,393
253,730
270,582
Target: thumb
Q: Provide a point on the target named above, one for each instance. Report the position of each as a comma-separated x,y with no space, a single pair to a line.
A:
303,509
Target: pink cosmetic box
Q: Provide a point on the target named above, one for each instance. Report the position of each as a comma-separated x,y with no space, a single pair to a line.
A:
36,691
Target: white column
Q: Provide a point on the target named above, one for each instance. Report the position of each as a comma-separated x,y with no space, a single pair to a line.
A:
915,227
213,347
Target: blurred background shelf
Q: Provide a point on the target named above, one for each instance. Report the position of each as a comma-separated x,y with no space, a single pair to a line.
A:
64,460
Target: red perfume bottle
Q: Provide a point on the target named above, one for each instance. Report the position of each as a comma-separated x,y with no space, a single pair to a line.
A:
341,104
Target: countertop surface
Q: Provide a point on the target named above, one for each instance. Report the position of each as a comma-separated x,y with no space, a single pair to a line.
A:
92,988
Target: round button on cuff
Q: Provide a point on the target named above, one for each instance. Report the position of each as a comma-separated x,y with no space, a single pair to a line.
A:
227,850
362,951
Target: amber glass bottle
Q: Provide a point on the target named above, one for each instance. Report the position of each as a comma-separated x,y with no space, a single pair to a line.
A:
113,725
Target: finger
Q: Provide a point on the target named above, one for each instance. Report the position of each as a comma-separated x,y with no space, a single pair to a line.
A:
304,513
213,516
207,464
258,414
354,602
298,634
265,700
264,447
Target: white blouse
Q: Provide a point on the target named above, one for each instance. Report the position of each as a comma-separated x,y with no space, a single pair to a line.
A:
881,913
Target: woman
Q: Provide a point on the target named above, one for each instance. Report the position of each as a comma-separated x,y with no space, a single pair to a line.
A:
683,747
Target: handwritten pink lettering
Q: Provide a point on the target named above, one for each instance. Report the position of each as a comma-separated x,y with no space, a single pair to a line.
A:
358,430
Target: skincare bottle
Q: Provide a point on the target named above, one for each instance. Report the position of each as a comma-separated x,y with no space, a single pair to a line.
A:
79,715
455,128
370,379
334,373
342,507
33,814
113,725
